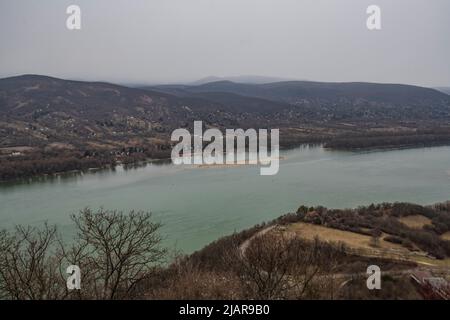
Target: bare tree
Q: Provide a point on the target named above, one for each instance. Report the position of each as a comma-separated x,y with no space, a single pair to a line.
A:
279,266
375,238
114,251
29,268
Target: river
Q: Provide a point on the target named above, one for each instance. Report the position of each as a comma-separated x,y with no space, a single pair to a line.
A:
199,205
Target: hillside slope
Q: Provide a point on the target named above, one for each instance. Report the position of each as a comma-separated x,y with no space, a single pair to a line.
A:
321,101
38,110
52,125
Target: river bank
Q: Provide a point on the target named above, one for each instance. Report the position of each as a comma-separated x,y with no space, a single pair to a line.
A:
197,206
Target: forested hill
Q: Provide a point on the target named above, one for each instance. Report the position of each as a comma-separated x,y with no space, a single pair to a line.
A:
356,100
74,122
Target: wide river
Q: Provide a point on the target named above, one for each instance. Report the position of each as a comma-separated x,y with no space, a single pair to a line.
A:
198,205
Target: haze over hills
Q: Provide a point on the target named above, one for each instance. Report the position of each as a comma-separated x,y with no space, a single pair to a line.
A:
293,91
445,90
38,109
250,79
45,109
61,125
333,101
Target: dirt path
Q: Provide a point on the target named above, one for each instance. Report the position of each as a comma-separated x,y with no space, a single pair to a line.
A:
243,247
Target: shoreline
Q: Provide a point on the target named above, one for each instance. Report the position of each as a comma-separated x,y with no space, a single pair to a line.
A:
385,148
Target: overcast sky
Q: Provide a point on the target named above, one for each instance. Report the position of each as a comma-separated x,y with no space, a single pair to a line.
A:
148,41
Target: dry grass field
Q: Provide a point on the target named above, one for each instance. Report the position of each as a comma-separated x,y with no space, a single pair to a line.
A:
446,236
363,244
415,221
350,239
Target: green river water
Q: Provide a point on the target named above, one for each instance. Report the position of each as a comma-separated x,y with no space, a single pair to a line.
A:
198,205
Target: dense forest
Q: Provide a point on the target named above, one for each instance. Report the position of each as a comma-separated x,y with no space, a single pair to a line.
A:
426,138
52,162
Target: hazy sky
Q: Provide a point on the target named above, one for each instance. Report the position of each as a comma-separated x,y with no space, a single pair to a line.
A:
148,41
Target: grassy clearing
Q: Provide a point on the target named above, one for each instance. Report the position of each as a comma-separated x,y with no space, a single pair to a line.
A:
350,239
415,221
446,236
433,262
362,244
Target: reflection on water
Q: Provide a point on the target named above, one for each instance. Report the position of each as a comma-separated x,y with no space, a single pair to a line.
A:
73,175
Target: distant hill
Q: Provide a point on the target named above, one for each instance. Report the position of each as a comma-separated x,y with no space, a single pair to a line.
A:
50,125
250,79
294,91
445,90
338,101
38,110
